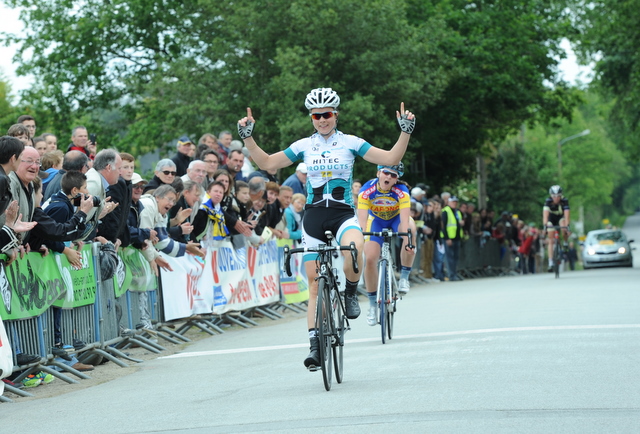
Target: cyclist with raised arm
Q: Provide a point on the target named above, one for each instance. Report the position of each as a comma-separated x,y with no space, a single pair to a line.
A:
385,203
555,209
329,155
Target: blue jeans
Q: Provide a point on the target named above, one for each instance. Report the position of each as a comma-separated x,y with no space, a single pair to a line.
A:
452,253
438,262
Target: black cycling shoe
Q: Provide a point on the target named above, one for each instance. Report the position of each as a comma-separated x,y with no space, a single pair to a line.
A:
312,362
351,305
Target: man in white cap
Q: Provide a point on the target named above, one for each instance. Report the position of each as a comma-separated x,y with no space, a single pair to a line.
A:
452,234
417,194
298,180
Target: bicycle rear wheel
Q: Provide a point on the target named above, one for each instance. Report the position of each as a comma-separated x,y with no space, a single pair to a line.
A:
382,297
338,342
323,315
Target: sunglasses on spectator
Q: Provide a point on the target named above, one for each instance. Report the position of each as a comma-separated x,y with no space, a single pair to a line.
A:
170,172
138,186
326,115
391,174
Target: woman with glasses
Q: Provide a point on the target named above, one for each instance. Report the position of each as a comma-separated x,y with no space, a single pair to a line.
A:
329,155
385,203
165,173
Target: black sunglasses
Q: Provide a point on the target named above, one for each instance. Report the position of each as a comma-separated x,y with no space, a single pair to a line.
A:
326,115
169,172
391,174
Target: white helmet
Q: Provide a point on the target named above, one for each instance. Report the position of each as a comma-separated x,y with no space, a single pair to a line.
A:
555,190
322,97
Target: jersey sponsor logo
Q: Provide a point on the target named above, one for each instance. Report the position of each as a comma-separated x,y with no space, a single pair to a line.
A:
366,193
383,202
325,160
325,154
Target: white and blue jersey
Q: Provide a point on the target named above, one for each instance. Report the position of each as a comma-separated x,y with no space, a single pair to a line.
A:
329,167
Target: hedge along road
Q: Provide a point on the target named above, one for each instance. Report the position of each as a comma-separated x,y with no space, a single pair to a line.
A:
518,354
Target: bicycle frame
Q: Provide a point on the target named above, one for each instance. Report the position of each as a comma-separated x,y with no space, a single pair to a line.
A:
557,252
330,319
387,290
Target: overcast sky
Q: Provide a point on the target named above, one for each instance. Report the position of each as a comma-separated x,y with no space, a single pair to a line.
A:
11,24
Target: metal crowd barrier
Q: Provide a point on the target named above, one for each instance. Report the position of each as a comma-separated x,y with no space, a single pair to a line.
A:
484,258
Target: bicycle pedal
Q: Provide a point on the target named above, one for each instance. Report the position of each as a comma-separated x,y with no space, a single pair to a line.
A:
314,368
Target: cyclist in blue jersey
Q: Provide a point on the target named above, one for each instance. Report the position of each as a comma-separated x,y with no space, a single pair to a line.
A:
385,203
329,155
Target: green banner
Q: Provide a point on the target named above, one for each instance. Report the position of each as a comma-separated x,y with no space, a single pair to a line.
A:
134,273
32,284
122,278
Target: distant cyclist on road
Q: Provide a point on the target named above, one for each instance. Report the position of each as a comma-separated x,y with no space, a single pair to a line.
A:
556,208
329,155
385,203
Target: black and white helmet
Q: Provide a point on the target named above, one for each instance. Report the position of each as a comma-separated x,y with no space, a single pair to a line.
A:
555,190
322,97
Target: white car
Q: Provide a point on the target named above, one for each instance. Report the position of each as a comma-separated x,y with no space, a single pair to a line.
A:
607,248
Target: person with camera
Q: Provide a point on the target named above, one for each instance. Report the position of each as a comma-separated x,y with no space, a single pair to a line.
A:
63,205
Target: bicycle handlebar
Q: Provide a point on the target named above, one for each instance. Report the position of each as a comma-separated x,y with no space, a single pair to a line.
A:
388,233
322,248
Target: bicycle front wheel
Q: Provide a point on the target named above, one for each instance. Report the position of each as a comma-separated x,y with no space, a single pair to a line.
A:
382,297
338,343
391,308
323,325
557,258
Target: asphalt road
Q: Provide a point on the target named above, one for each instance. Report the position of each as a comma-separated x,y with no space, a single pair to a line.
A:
525,354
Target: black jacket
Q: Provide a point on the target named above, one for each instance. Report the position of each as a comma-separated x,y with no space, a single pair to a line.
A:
49,229
153,184
182,163
114,225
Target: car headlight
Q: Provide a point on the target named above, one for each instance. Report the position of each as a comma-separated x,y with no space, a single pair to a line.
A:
591,251
622,250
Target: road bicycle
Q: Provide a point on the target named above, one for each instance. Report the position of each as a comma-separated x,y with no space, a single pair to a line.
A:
557,250
387,292
331,322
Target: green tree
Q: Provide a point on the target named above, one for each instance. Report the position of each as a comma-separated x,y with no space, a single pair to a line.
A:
513,183
472,72
504,53
8,113
609,35
595,174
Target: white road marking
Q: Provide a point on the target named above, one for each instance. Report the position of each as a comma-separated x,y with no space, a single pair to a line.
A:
422,335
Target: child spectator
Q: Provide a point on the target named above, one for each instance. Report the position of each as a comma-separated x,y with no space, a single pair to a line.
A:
293,215
21,133
51,164
209,221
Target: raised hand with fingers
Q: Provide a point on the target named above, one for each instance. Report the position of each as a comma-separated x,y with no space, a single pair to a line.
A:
406,119
246,124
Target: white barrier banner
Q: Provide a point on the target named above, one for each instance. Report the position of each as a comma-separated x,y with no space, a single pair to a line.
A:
186,290
226,280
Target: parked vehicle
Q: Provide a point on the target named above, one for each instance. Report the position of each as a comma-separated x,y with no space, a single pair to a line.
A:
607,248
